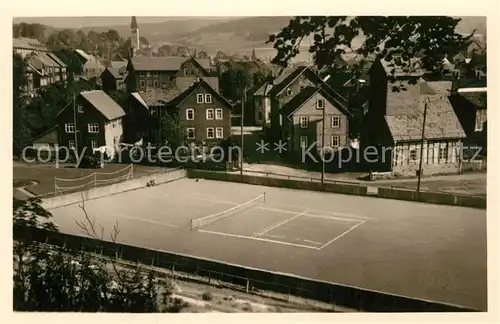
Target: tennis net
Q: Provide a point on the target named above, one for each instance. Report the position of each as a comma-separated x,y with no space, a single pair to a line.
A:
204,221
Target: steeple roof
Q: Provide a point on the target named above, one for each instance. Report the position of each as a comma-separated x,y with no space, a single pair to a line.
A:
134,23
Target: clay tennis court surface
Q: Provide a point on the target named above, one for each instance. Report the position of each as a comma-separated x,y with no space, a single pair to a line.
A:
418,250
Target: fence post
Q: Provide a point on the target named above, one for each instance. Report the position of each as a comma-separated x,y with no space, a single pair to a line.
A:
153,260
95,180
248,285
173,270
209,277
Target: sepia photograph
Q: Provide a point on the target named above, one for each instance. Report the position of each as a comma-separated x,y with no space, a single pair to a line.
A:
253,164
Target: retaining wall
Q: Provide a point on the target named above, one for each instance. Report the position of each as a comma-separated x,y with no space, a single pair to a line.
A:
343,188
433,197
99,192
337,294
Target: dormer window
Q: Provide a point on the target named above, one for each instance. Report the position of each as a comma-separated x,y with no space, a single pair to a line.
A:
289,92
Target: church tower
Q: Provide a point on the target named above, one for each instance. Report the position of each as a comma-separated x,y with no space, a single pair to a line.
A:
134,38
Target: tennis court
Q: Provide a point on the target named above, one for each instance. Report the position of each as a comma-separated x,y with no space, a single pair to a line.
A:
427,251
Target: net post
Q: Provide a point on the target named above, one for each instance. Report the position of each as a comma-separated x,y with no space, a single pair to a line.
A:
264,196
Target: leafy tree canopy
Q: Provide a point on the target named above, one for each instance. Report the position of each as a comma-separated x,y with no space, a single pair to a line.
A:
429,37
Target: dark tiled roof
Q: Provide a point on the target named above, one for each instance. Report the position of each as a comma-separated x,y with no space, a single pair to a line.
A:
405,110
298,100
164,63
201,83
159,97
56,59
305,95
47,137
117,72
104,103
289,79
478,99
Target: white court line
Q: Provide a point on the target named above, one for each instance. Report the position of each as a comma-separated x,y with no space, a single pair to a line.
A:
341,235
312,242
259,239
352,216
145,220
281,223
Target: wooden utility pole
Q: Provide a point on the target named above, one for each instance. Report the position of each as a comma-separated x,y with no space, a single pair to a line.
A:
74,122
422,148
323,146
243,99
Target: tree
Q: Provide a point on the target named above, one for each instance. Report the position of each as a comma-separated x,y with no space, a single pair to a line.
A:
47,278
397,39
29,30
21,133
233,81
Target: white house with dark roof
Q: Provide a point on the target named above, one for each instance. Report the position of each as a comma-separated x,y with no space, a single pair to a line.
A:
395,120
94,120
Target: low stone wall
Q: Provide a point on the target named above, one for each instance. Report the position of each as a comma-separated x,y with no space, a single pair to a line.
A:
433,197
99,192
342,188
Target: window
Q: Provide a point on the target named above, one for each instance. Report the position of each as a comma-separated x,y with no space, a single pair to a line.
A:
218,113
148,73
208,98
71,144
289,92
142,74
186,71
304,122
219,132
480,120
155,73
190,133
443,153
153,111
303,141
413,154
335,141
69,128
150,83
335,121
302,87
199,98
210,132
93,128
157,84
143,84
320,104
189,114
80,109
93,143
210,114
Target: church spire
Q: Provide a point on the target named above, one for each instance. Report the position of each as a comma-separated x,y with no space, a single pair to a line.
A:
254,57
134,37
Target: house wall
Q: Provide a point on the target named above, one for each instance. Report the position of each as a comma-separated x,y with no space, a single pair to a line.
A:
137,122
183,82
262,111
113,132
315,129
108,81
200,122
84,138
431,164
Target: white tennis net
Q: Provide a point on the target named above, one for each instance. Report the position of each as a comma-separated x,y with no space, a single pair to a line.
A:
204,221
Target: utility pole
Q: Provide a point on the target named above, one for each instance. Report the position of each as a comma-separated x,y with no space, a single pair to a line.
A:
422,147
323,146
74,122
243,99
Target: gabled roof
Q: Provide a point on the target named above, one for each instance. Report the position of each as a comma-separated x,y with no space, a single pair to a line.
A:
279,87
201,83
164,63
478,99
405,110
28,43
56,59
139,99
49,136
46,60
158,97
103,103
117,72
82,54
303,96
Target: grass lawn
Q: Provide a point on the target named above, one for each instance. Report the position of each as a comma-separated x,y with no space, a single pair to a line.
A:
44,174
